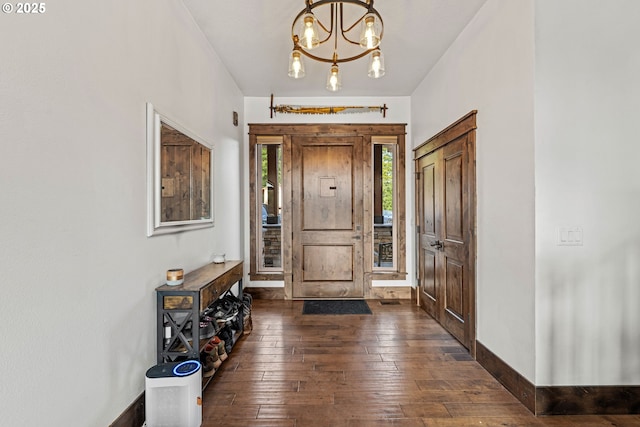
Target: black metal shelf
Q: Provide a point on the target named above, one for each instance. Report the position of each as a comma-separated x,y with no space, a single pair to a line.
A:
182,305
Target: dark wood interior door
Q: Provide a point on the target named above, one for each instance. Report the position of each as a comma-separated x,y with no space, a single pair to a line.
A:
445,187
429,183
327,216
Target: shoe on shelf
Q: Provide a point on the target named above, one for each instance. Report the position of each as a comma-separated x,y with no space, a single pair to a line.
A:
208,368
248,324
223,312
227,316
226,335
206,330
231,299
236,323
222,351
217,362
247,298
217,345
211,349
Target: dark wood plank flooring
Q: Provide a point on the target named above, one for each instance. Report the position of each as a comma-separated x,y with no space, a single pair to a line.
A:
397,367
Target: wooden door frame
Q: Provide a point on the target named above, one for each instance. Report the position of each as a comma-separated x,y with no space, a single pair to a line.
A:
464,126
368,131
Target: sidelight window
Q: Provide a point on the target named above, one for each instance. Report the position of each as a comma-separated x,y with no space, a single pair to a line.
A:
269,177
384,203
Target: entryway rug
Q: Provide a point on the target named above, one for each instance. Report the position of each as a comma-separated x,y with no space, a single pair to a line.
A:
335,307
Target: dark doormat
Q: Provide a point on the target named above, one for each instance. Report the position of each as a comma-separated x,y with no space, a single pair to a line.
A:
335,307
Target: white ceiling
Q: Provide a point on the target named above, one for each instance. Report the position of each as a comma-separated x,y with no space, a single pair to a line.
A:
253,40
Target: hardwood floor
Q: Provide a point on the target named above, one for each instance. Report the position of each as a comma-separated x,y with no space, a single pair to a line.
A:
397,367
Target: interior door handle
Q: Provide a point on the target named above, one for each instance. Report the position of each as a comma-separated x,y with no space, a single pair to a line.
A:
437,244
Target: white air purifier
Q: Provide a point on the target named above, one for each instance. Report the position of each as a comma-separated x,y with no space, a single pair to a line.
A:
173,395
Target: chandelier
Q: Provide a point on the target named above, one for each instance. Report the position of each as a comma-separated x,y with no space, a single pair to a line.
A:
337,32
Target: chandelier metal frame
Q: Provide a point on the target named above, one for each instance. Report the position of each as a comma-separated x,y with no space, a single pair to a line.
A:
336,15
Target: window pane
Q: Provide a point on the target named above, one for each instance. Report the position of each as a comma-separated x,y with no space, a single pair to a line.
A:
383,206
270,209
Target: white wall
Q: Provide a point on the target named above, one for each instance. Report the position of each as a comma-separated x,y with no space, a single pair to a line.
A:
257,111
587,175
489,68
78,302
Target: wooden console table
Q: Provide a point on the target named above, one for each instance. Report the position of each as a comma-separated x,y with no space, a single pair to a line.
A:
179,305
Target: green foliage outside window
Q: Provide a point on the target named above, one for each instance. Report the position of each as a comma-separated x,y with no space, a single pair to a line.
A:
387,179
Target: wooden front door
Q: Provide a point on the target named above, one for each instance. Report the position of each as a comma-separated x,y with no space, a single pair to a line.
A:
327,217
445,189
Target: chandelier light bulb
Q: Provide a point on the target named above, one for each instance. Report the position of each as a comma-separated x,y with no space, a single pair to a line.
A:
309,38
376,64
370,34
334,80
296,66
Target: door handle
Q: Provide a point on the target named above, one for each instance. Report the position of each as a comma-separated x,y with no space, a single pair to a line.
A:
437,244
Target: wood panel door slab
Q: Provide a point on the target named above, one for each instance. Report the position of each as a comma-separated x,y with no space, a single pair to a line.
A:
327,217
454,232
427,193
445,202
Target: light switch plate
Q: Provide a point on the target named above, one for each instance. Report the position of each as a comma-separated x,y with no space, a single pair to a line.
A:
569,236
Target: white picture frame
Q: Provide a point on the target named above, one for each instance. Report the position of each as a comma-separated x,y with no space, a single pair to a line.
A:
156,225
